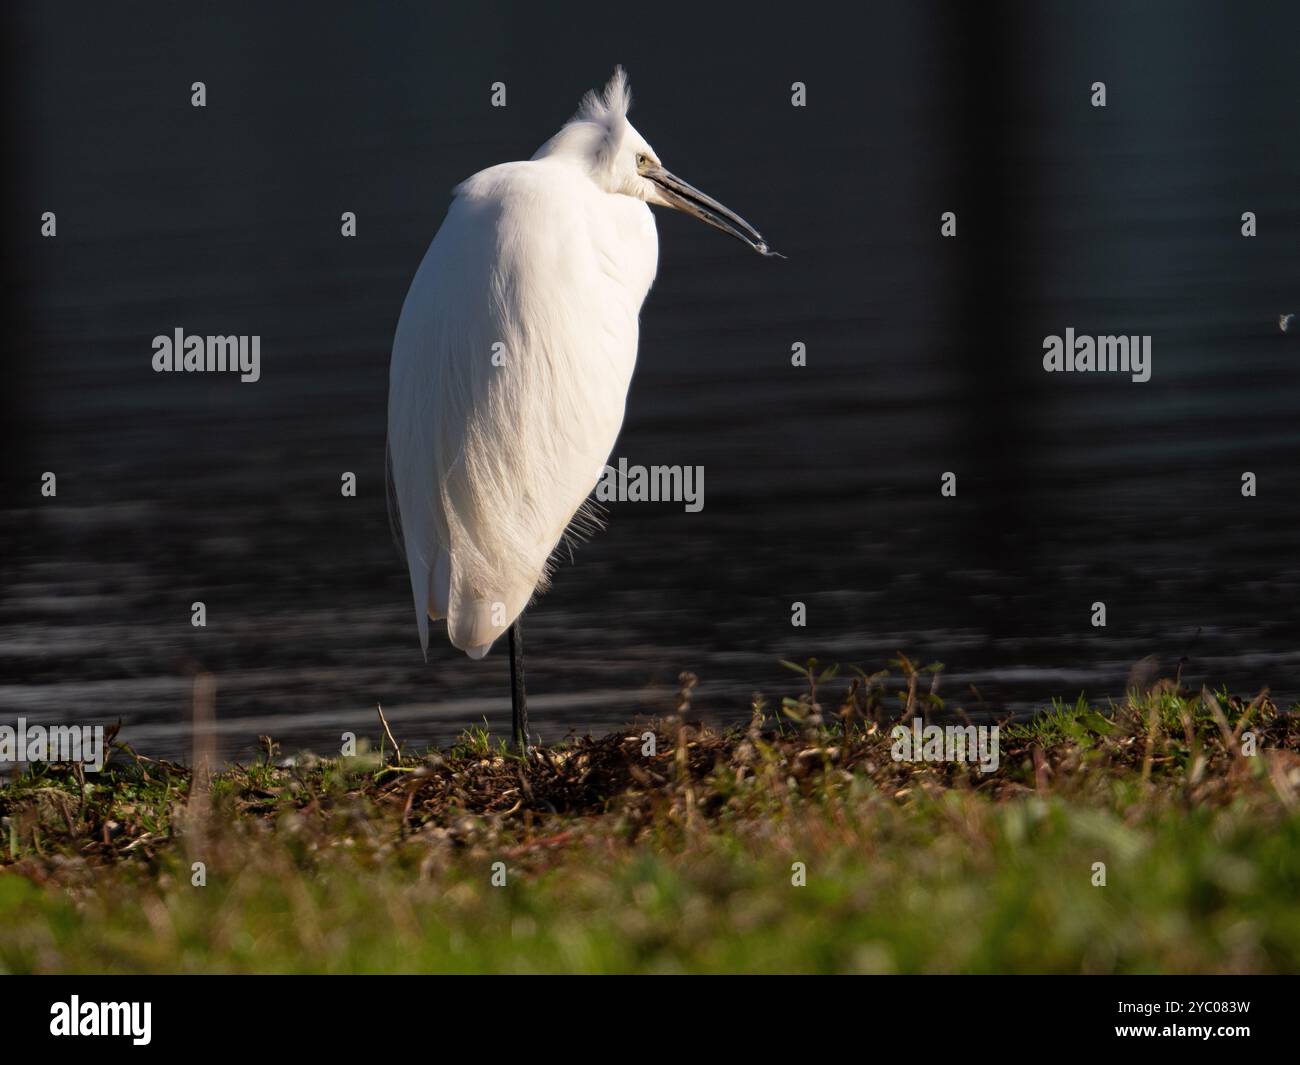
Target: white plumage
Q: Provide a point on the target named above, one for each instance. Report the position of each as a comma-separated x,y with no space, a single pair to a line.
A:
512,360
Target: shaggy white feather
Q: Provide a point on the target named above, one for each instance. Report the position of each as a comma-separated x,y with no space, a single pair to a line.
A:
511,364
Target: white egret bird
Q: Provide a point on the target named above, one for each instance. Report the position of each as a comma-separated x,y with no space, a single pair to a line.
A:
511,365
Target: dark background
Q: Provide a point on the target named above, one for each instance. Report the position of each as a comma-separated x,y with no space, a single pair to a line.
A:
821,484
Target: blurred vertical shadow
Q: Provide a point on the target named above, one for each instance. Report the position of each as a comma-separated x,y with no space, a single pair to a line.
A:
992,332
17,246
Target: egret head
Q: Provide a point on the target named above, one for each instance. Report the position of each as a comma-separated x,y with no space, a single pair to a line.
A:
621,162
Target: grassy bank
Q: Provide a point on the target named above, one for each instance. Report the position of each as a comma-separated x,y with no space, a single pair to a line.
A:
687,858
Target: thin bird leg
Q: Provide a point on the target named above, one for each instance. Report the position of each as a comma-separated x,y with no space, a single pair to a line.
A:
518,697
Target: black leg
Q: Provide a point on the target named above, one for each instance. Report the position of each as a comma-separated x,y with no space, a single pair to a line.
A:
518,697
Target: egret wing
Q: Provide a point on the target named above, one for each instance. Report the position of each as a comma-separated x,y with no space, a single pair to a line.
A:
509,376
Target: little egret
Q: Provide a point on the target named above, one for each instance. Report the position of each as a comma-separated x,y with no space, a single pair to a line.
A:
511,365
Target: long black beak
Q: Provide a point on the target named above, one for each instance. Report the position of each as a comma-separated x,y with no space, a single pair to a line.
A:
688,198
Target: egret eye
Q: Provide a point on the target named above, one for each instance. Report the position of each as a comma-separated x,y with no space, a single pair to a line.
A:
641,159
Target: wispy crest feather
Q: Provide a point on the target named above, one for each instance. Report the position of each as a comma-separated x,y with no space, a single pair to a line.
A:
611,105
597,129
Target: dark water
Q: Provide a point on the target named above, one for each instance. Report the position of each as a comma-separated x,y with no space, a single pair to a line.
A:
821,483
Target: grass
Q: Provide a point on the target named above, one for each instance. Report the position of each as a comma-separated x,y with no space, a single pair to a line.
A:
598,857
